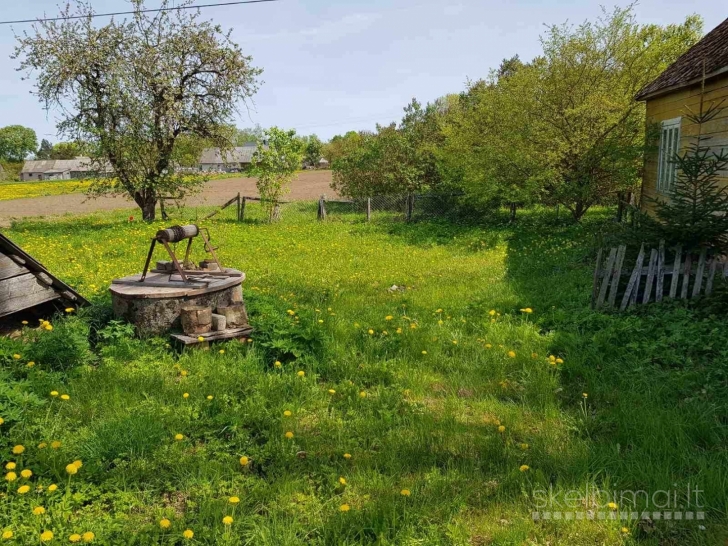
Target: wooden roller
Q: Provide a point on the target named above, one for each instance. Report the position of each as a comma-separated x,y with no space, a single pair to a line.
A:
176,234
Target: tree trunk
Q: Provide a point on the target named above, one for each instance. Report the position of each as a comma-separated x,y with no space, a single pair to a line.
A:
148,203
513,212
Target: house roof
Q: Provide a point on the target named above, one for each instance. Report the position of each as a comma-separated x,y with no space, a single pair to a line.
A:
81,164
688,68
241,154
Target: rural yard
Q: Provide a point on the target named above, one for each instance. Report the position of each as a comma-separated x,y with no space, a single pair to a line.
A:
308,186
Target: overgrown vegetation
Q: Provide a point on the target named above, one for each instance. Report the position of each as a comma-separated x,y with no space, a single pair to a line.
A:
562,128
393,354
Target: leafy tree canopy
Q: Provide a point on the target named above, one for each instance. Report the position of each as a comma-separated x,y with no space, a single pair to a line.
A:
17,142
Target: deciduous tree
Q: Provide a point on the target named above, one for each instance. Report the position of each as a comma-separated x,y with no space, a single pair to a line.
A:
131,88
17,142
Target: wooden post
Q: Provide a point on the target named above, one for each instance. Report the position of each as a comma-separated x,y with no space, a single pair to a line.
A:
237,216
242,209
699,273
711,276
595,283
606,276
617,274
675,271
369,209
651,269
686,276
633,279
322,208
660,272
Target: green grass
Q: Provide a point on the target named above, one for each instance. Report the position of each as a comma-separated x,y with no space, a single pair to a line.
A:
437,380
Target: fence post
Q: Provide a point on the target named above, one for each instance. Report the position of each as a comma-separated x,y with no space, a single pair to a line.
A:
322,209
237,216
161,208
243,201
369,209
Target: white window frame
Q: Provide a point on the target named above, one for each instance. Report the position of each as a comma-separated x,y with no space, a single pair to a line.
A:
669,146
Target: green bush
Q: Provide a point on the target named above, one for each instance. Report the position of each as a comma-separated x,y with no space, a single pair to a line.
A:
65,346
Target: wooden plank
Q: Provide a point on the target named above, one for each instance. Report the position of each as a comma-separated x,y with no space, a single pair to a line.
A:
651,270
23,292
617,274
633,279
686,276
606,276
232,333
711,275
675,271
659,288
699,273
595,281
9,268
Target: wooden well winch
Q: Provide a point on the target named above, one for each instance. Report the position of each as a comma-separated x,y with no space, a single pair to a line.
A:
205,301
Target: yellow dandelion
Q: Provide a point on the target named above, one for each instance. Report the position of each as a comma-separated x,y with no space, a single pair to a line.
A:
523,467
287,413
30,364
347,455
388,317
2,421
370,331
424,352
534,355
491,312
7,535
10,466
362,394
612,506
625,531
71,469
188,533
227,520
512,354
23,489
164,523
52,487
332,391
179,437
69,309
584,395
405,492
48,327
234,500
399,330
344,508
11,476
277,364
42,445
75,537
200,339
78,463
55,444
301,373
342,480
488,346
289,435
184,373
244,461
65,397
523,446
27,473
185,395
16,356
210,397
221,351
559,361
291,312
88,536
46,536
18,449
501,429
39,511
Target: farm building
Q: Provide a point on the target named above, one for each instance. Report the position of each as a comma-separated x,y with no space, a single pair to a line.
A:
236,159
58,169
25,283
674,93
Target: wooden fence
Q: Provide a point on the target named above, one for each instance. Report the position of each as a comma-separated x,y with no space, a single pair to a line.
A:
679,276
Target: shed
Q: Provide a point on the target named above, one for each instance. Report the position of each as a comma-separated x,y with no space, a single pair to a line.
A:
212,159
674,93
26,283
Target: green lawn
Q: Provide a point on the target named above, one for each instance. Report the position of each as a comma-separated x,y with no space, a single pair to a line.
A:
416,412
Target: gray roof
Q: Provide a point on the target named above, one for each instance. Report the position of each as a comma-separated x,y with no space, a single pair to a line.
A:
80,164
241,154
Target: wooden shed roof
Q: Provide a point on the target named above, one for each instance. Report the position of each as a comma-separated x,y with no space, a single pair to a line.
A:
25,282
688,68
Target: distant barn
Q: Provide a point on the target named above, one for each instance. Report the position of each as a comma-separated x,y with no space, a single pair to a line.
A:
234,160
25,283
60,169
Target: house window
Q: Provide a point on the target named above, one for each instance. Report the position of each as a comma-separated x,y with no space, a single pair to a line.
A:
669,147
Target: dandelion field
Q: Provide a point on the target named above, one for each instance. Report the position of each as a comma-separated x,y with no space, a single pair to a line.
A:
406,384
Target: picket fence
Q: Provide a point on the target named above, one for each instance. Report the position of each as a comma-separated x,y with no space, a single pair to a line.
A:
657,280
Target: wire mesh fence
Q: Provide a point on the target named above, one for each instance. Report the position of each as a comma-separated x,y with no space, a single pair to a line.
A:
379,208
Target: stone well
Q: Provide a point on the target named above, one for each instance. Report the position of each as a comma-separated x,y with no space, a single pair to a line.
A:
155,310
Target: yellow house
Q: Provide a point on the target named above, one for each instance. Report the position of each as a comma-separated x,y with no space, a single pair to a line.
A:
675,93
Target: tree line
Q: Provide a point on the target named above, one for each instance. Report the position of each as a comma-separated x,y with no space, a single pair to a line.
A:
562,129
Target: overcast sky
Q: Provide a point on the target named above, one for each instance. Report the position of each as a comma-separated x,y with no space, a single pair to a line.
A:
332,66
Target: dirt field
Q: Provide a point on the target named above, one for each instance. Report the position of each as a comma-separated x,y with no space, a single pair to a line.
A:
309,185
